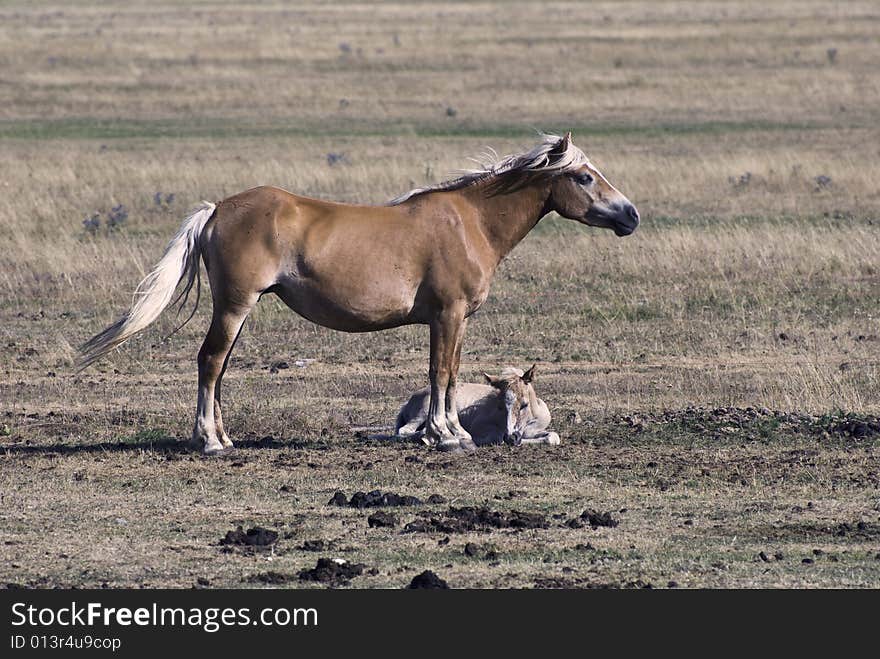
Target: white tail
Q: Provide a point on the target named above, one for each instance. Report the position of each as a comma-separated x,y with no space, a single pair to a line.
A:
155,292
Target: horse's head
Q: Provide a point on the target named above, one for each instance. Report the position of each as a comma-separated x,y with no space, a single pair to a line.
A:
516,396
581,193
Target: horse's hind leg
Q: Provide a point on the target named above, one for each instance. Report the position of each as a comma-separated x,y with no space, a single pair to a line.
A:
213,358
218,416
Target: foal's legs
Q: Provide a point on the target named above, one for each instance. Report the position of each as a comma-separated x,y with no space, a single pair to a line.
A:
213,357
446,329
542,437
536,429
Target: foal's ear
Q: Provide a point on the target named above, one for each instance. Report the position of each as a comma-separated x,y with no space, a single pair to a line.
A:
529,375
495,382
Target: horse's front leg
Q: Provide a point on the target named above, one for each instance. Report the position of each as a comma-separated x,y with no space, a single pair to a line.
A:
452,421
446,329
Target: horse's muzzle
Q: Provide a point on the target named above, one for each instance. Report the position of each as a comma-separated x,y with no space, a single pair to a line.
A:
626,220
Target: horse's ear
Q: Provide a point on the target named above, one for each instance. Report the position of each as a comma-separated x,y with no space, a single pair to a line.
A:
564,143
529,375
493,381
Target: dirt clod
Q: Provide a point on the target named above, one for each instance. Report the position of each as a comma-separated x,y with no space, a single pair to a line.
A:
253,537
486,552
270,577
338,499
382,519
374,499
314,545
426,580
333,571
469,518
596,519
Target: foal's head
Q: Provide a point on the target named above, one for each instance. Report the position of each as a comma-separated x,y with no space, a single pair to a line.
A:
581,193
515,397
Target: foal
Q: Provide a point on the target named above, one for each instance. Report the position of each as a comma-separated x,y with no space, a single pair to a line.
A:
506,410
428,258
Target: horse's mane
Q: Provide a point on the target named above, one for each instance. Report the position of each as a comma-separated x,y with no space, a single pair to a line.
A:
511,172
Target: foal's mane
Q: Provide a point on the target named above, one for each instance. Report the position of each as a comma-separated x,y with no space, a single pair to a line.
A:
511,172
511,374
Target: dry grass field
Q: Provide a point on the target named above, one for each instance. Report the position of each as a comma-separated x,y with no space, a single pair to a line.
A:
715,377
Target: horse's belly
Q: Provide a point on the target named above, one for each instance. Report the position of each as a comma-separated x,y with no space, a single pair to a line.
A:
353,308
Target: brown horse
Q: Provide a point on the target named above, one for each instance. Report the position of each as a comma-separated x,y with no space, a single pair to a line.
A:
428,257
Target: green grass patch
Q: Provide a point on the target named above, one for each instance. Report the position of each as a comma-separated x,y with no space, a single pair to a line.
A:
90,128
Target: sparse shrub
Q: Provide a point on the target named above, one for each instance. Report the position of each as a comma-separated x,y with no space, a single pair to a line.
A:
92,224
335,158
163,200
117,217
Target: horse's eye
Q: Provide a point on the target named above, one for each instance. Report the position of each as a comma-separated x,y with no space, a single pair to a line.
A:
584,179
523,406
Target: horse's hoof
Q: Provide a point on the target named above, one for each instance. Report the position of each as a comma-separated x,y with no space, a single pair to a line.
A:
467,444
214,450
449,446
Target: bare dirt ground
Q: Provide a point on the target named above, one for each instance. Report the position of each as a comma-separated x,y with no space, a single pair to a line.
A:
714,377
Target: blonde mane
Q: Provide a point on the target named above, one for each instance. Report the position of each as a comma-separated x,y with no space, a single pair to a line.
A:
511,373
511,172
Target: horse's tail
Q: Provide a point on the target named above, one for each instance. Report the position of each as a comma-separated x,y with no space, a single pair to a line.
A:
155,292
